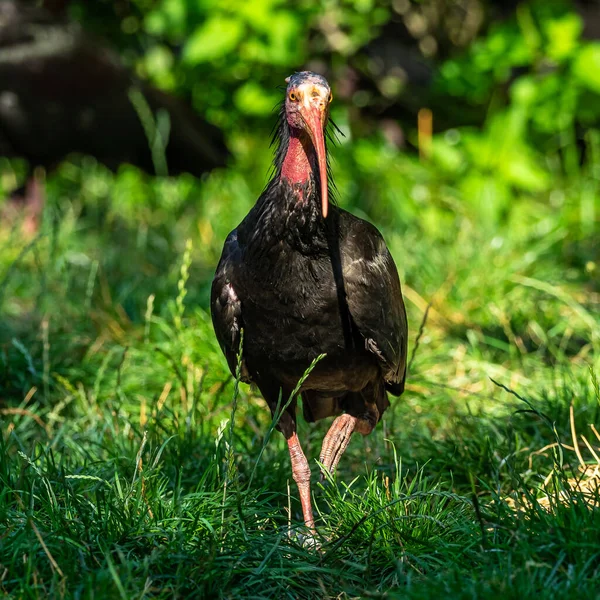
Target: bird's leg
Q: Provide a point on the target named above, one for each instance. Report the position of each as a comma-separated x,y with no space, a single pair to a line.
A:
338,437
287,426
301,474
26,204
34,200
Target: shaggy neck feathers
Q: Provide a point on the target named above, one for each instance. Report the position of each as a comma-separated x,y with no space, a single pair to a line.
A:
289,209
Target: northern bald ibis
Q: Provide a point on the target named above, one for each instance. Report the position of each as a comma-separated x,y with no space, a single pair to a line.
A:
302,278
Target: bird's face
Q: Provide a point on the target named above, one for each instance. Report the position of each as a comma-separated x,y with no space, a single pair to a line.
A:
307,108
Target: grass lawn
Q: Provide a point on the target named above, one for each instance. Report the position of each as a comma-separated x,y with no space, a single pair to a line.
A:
133,466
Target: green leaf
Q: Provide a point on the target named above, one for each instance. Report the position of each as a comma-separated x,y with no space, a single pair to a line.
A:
563,35
524,90
522,171
447,157
158,65
285,39
168,18
214,39
586,66
252,99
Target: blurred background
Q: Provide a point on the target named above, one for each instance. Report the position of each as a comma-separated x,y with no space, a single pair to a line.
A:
130,126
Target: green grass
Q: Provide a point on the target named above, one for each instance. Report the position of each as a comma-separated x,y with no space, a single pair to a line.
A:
132,466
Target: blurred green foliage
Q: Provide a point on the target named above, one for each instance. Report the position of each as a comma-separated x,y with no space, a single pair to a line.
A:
230,54
524,178
527,74
538,68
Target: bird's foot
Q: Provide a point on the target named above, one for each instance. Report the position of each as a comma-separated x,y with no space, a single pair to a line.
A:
307,539
336,441
338,437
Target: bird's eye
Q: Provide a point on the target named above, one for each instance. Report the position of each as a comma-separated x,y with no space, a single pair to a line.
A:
330,97
293,97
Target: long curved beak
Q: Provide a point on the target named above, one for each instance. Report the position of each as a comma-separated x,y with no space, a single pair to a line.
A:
314,117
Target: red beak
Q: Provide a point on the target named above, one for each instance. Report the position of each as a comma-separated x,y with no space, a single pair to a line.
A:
313,118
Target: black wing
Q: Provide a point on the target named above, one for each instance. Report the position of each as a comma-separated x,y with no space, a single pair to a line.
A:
226,307
374,297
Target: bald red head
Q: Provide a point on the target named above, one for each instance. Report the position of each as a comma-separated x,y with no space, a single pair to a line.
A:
307,108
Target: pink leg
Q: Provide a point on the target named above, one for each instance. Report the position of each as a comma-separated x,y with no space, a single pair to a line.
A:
27,206
338,437
301,474
34,204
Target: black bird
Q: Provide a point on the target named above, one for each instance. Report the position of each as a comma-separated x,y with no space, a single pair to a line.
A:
303,278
